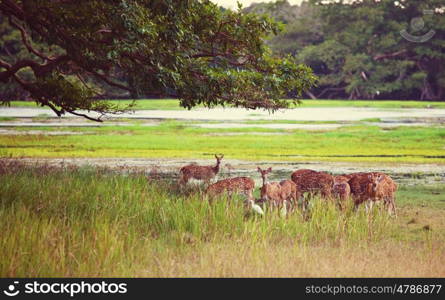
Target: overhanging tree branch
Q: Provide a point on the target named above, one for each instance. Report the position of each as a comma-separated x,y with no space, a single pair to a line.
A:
38,69
127,47
26,42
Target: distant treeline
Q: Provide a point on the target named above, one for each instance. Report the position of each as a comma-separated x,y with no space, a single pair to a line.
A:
365,49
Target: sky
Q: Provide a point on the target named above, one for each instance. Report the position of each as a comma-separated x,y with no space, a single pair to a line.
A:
245,3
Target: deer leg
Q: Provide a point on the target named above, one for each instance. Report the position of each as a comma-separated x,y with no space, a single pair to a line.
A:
324,194
340,203
249,195
391,207
305,204
183,181
387,206
393,204
369,205
356,204
294,201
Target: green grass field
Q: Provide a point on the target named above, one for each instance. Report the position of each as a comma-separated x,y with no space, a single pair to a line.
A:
172,139
94,222
173,104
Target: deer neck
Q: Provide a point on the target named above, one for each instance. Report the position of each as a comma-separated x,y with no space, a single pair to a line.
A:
265,181
216,168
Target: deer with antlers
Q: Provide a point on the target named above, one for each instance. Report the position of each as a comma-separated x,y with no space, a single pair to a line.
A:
204,173
279,194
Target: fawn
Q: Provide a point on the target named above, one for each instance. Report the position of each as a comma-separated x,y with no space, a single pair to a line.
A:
278,193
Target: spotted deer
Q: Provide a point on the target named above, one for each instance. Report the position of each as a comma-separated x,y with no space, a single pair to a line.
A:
385,191
244,185
204,173
341,189
313,182
373,187
278,193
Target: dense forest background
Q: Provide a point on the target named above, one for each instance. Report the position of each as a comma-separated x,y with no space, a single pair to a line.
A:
365,49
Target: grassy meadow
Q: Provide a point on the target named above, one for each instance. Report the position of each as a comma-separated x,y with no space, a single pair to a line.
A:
353,142
97,222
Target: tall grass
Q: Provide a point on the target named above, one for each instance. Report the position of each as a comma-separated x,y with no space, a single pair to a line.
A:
95,222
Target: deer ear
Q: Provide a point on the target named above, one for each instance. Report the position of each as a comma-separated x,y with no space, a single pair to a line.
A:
269,170
259,169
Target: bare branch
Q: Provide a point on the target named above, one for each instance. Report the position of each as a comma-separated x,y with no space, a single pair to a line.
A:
86,116
58,112
311,95
389,55
110,82
12,69
38,69
12,8
330,89
4,64
26,41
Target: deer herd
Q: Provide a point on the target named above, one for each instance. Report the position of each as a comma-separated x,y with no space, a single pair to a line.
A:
361,187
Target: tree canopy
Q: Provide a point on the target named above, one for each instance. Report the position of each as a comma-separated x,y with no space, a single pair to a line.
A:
66,53
357,48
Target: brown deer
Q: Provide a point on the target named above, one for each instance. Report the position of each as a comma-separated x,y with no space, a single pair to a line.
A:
205,173
278,193
244,185
373,187
341,189
313,182
385,191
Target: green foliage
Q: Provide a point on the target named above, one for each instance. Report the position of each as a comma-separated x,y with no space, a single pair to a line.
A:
188,49
357,50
